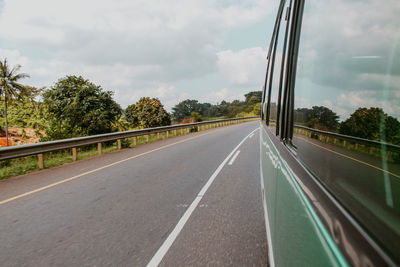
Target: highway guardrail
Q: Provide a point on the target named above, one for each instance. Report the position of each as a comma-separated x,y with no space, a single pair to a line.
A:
350,139
73,143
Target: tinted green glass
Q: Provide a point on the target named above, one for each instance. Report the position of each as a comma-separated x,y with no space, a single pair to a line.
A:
347,112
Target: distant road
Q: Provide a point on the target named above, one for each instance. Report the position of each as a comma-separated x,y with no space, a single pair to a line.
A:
182,199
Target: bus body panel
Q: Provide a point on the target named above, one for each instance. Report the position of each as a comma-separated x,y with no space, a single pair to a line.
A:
296,238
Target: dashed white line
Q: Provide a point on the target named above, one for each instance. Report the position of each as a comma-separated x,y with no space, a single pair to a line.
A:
157,258
234,157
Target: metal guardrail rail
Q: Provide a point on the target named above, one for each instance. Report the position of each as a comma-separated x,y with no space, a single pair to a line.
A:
352,139
73,143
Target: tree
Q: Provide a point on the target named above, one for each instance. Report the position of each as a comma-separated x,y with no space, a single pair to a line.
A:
317,117
252,105
147,113
9,86
372,124
253,97
184,108
196,116
77,107
25,112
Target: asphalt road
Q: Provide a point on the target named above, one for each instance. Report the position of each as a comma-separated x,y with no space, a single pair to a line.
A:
120,208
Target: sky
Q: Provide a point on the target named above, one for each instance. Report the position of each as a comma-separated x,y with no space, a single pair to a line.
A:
349,56
174,50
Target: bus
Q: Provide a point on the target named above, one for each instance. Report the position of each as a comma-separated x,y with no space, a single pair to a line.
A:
330,134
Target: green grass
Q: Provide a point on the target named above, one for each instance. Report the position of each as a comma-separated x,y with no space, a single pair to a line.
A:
19,166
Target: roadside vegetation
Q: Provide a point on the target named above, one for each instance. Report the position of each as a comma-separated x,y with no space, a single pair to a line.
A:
74,107
193,109
367,123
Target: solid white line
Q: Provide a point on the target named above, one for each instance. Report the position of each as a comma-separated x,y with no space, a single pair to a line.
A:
157,258
251,136
271,258
234,157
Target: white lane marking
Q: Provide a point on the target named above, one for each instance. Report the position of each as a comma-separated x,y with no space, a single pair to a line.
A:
251,135
157,258
271,257
234,157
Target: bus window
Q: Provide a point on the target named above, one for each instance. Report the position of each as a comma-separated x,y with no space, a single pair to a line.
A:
277,70
347,112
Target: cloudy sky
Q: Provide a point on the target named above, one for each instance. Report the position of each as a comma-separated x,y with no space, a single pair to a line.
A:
200,49
349,56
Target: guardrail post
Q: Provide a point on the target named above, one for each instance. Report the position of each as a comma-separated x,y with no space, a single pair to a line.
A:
181,131
198,128
175,132
147,138
74,154
40,161
99,148
119,144
356,146
134,141
334,141
158,136
167,134
344,143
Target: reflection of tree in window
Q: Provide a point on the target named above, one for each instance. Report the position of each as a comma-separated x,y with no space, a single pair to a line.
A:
366,123
321,118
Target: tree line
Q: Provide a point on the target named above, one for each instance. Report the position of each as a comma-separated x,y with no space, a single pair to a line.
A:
74,106
368,123
251,106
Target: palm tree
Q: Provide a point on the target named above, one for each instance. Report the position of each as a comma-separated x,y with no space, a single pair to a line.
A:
9,85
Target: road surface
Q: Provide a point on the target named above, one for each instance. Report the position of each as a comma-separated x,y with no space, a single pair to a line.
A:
186,201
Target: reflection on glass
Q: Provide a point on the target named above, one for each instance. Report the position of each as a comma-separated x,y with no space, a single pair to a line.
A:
347,108
275,84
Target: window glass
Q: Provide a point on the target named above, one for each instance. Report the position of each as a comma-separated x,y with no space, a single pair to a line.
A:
347,108
277,67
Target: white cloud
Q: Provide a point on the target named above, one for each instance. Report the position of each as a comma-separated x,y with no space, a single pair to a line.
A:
245,67
167,94
223,94
128,46
360,99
